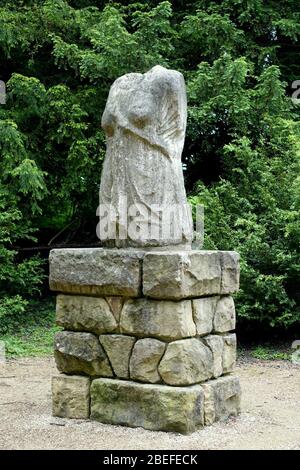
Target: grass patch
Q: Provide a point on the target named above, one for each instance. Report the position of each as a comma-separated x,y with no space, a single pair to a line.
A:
34,334
269,353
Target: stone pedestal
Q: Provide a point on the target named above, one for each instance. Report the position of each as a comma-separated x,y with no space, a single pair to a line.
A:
148,337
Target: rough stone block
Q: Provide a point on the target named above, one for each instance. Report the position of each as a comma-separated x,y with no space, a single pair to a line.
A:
71,396
177,275
216,345
224,317
222,399
154,407
230,272
203,313
229,352
145,358
166,320
82,313
80,353
186,362
96,271
118,349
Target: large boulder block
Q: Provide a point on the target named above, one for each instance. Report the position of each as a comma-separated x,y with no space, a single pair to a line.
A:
82,313
186,362
71,396
145,358
154,407
166,320
222,399
187,274
96,271
118,349
80,353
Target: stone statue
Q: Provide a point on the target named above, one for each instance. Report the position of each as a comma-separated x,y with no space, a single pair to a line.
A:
142,195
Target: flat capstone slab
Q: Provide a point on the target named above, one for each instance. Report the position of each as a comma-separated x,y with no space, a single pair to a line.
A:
96,271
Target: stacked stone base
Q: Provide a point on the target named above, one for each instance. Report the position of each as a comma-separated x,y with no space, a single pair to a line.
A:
147,337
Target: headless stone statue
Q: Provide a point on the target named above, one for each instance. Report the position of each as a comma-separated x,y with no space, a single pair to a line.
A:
142,195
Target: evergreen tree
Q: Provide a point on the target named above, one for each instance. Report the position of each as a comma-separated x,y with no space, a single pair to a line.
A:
239,58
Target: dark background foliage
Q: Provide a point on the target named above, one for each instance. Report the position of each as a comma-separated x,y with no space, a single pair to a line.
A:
239,58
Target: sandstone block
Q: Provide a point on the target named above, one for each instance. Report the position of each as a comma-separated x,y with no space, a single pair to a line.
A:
185,274
230,272
216,345
145,358
166,320
222,398
80,353
96,271
203,313
82,313
178,275
118,349
224,317
155,407
229,352
71,396
186,362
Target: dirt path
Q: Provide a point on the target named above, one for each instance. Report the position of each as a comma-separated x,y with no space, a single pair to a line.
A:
270,418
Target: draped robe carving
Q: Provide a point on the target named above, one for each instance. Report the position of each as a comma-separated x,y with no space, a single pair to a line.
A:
145,121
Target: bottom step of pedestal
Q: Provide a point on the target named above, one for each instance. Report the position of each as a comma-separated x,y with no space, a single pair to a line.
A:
154,407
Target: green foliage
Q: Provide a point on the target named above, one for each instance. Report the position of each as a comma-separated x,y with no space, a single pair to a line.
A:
34,333
19,279
269,353
255,206
239,57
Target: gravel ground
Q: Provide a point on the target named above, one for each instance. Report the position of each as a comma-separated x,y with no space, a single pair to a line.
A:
270,417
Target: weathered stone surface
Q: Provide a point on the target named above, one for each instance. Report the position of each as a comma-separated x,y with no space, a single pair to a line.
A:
116,305
165,320
216,344
222,399
186,362
71,396
229,352
203,313
96,271
230,272
118,349
155,407
82,313
224,318
80,353
145,358
144,121
177,275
